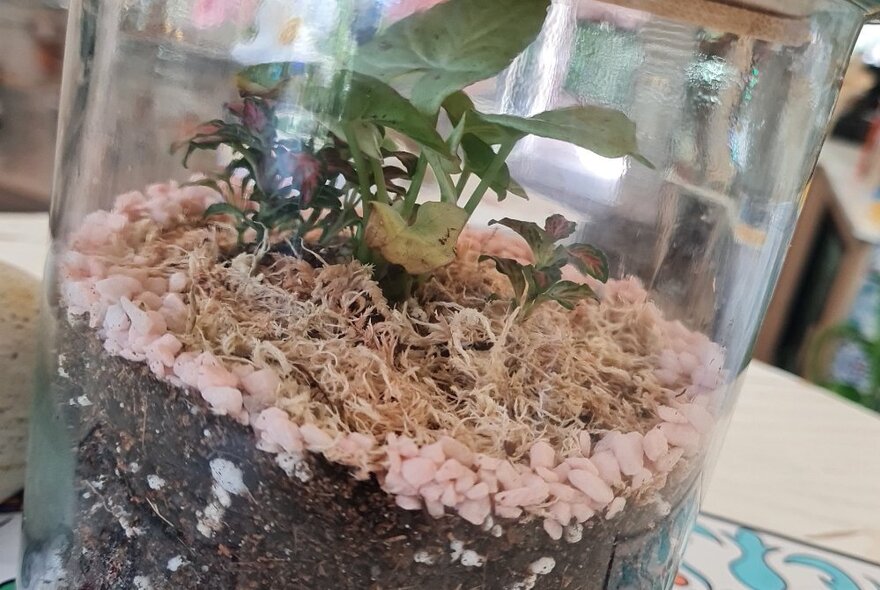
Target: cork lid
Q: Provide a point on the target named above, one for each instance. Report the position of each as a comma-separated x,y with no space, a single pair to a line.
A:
778,21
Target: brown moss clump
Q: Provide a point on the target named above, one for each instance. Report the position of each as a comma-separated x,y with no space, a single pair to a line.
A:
453,360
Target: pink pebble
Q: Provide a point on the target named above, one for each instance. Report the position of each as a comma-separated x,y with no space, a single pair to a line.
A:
563,492
418,471
149,301
114,287
553,528
585,443
655,444
561,512
582,512
547,475
115,319
668,461
699,418
681,435
450,470
395,484
527,496
164,349
487,462
688,362
666,377
276,429
178,282
450,496
542,455
262,384
223,400
475,511
508,476
365,442
434,452
432,491
457,451
627,449
508,511
480,490
435,508
592,485
465,482
216,376
642,478
562,471
186,367
581,463
490,479
316,439
157,285
668,414
408,502
615,508
407,447
609,469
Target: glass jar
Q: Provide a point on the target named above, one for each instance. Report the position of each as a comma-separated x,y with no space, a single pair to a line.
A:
308,333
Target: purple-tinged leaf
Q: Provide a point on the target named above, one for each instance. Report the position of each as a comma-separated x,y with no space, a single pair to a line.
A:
589,260
567,294
513,270
558,227
532,233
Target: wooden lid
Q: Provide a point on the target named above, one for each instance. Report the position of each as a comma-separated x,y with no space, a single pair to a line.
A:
777,21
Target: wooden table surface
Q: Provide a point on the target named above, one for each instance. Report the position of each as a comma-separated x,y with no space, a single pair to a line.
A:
797,460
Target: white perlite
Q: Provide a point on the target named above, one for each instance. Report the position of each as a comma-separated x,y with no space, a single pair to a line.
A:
471,558
543,566
456,548
228,476
176,562
526,584
228,479
574,532
424,557
155,482
142,583
294,466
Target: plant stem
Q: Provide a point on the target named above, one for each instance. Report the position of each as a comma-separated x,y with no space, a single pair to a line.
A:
379,176
362,252
444,180
462,182
415,186
489,176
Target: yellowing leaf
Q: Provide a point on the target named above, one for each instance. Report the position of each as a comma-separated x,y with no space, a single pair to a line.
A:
424,246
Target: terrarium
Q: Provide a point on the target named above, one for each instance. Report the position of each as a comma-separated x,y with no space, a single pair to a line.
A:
442,294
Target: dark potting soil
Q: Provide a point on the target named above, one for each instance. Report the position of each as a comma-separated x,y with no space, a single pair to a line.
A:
145,496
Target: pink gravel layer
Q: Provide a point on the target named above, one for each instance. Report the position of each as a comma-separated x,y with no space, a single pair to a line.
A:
136,316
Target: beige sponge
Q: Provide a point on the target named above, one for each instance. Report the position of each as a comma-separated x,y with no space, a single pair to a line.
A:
19,313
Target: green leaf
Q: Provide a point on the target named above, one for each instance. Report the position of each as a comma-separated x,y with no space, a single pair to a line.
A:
452,45
424,246
567,294
513,270
604,131
368,139
535,237
369,99
478,157
589,260
225,209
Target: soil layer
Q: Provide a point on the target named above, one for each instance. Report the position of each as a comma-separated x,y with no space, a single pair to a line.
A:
145,494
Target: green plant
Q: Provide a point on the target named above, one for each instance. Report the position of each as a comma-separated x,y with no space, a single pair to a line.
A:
830,341
330,164
542,281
